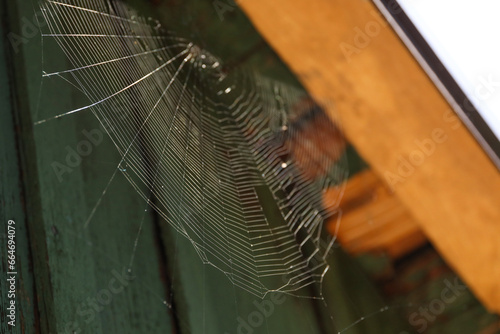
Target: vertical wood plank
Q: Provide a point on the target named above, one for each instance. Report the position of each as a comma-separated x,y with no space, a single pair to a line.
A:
12,208
81,272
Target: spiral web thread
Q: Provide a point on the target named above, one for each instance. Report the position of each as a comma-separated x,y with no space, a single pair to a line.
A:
222,157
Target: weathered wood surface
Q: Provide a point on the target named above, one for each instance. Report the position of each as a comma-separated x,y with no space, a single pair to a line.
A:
344,50
11,208
79,273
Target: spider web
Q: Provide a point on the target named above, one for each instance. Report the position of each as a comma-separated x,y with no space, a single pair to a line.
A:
227,158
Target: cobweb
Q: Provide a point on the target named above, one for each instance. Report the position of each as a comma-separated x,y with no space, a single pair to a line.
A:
233,161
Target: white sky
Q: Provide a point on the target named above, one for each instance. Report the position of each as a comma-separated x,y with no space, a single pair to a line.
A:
465,35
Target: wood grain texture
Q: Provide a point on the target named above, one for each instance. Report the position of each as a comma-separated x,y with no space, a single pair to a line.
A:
343,50
80,272
207,302
12,208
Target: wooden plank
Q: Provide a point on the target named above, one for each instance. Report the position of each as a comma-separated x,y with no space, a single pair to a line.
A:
343,50
12,209
207,302
81,278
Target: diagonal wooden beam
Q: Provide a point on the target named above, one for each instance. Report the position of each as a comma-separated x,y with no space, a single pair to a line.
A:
344,51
